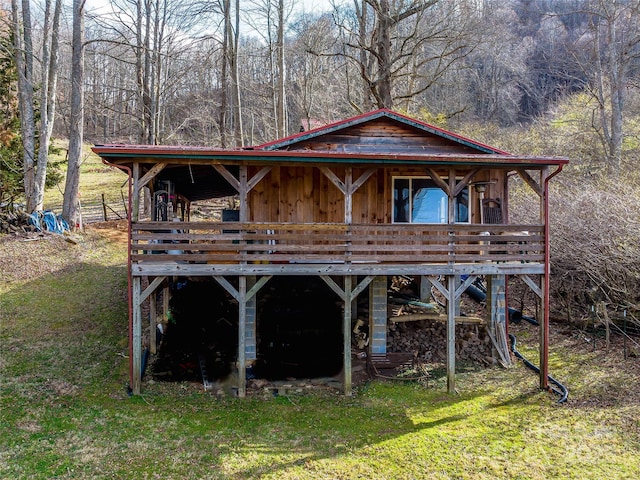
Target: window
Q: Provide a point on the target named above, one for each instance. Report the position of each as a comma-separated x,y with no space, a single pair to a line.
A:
420,200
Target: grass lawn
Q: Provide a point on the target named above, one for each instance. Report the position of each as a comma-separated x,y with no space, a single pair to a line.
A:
97,179
65,412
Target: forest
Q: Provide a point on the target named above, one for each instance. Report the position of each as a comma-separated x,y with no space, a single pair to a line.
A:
543,77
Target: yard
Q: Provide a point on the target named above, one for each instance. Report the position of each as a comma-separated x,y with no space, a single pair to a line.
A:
65,411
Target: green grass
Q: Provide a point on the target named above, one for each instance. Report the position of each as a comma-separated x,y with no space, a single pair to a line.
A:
96,179
65,412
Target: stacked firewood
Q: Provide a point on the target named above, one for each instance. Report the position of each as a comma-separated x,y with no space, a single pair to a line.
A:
15,222
422,331
427,341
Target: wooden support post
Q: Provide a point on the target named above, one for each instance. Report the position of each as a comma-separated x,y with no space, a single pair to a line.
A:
153,313
242,338
250,331
544,283
544,336
451,334
378,316
346,331
243,194
136,339
425,289
165,303
135,203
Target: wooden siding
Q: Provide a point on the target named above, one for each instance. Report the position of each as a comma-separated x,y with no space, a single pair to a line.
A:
382,136
296,194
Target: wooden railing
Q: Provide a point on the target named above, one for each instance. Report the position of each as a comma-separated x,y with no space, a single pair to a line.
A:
236,242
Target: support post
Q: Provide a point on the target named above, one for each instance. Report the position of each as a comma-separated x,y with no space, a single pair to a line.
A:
451,334
378,316
544,281
425,289
544,332
242,338
250,347
136,340
153,315
135,204
346,331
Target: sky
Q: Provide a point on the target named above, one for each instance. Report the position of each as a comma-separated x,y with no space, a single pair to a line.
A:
304,5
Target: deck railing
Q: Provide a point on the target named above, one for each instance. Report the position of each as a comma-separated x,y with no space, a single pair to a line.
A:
238,242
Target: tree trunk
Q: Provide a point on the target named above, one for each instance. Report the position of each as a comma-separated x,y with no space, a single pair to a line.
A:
224,80
49,81
281,99
71,208
235,78
24,65
383,49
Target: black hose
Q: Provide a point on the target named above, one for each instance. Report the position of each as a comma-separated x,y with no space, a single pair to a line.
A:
515,316
562,390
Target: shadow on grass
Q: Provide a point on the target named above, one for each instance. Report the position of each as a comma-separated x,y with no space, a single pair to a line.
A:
66,328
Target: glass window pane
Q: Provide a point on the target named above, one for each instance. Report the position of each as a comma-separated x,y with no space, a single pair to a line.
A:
401,200
429,205
462,206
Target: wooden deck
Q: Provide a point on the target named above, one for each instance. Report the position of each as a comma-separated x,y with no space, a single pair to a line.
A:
241,248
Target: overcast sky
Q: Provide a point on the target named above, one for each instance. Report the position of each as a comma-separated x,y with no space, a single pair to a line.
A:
305,5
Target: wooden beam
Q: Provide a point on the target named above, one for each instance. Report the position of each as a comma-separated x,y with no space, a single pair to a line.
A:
346,332
136,339
464,182
334,179
257,286
165,303
153,315
343,294
348,197
335,287
464,285
150,175
206,270
243,193
228,176
451,334
135,191
530,181
362,179
441,288
439,181
361,286
227,286
151,288
532,285
253,181
242,336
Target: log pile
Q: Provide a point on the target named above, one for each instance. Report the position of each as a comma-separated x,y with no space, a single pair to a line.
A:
15,222
426,337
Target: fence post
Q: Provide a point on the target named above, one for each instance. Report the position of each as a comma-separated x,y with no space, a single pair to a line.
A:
104,208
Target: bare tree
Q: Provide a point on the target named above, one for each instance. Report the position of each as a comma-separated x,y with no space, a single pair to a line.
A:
269,19
375,38
70,208
608,51
36,127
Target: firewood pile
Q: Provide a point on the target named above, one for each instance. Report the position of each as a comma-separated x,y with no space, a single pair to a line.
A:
425,335
15,222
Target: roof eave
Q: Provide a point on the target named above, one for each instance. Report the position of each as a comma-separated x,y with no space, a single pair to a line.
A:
120,154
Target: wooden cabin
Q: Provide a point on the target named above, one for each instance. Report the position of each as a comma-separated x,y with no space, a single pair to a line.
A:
351,203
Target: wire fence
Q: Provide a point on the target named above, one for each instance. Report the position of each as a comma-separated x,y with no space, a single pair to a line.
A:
99,211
